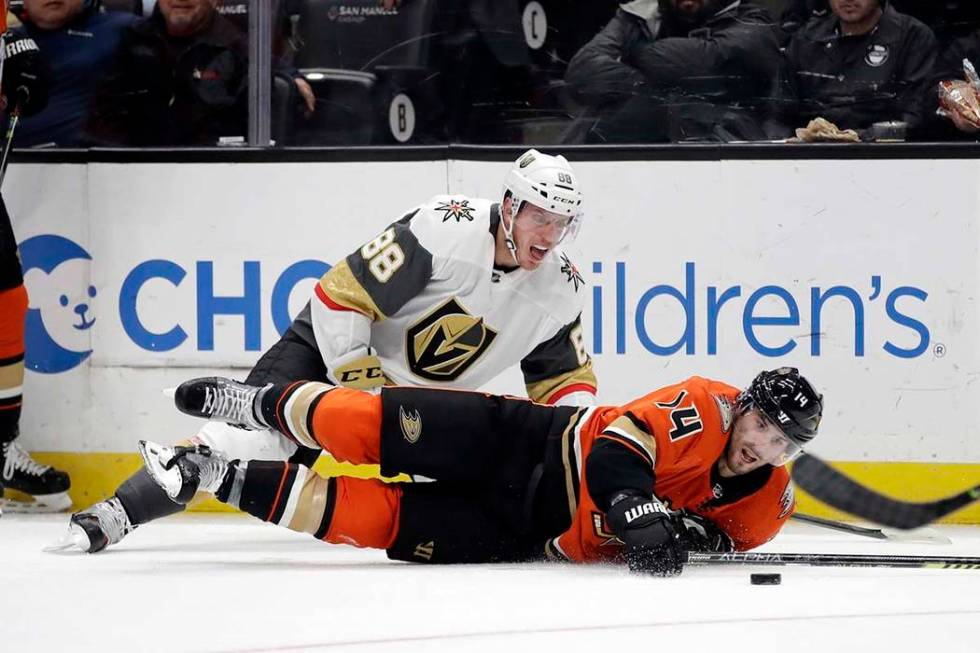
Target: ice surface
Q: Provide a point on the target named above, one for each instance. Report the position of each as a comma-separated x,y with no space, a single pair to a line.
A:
229,583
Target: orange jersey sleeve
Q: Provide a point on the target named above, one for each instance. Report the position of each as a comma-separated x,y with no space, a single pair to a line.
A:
681,430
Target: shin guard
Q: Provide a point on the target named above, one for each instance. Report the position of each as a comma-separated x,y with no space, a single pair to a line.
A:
144,500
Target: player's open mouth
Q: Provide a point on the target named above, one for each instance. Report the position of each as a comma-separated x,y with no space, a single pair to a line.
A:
538,253
747,456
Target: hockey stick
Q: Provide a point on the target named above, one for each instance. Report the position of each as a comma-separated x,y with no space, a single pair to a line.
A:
835,489
834,560
8,142
924,535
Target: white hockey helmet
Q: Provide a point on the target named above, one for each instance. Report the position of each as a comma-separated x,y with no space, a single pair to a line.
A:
545,181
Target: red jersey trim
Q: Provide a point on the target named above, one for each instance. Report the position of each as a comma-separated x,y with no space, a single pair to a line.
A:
569,389
332,305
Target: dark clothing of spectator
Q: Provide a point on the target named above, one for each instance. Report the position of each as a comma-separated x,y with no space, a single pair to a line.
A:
948,19
856,81
674,80
168,91
485,69
798,13
950,66
78,55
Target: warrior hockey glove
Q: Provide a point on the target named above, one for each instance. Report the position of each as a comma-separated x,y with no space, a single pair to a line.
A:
25,75
646,528
700,534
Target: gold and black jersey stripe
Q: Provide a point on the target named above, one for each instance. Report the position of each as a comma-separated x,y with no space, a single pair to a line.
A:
410,269
559,365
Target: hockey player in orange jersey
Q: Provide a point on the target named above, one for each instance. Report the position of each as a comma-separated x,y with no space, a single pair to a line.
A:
695,466
30,485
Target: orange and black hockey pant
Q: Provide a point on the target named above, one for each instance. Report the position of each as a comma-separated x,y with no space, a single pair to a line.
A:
13,310
480,454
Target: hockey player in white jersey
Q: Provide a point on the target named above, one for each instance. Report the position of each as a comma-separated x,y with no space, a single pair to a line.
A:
450,295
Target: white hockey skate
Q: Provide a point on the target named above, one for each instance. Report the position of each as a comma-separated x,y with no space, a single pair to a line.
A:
184,471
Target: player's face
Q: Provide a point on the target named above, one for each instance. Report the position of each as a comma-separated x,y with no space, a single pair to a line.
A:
755,442
853,11
52,14
185,17
537,232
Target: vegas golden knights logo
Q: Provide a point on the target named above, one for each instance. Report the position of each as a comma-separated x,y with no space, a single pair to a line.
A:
444,343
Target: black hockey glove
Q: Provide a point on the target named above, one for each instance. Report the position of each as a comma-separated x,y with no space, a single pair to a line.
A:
646,528
700,534
25,75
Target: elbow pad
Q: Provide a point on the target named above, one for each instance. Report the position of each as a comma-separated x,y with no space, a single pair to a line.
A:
359,369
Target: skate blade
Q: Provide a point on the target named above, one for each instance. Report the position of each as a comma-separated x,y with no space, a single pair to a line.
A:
155,458
74,541
26,503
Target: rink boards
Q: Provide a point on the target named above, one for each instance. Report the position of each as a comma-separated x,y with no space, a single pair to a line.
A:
862,273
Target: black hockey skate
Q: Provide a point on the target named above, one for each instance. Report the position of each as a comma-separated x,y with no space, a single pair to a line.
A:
214,397
184,471
30,486
95,528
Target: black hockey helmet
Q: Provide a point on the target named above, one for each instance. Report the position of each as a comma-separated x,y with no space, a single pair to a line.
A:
788,400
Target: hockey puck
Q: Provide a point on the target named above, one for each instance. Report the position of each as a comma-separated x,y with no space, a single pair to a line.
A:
766,579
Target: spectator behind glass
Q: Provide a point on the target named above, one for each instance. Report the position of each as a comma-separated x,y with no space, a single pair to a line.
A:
180,80
676,70
948,19
950,66
78,44
859,65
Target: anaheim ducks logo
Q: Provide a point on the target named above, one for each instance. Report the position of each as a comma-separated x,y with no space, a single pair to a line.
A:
444,343
725,412
786,501
411,423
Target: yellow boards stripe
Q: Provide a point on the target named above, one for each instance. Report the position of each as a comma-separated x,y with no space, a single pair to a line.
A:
95,476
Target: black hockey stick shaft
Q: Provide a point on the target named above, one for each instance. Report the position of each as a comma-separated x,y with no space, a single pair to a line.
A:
7,143
830,486
834,560
876,533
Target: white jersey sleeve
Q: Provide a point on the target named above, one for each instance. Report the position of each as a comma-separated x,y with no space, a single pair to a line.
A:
370,284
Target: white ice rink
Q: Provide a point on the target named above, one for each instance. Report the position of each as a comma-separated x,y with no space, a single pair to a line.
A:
231,584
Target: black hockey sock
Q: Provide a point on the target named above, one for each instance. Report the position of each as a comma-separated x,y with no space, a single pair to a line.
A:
230,490
282,493
9,407
277,394
144,500
289,409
